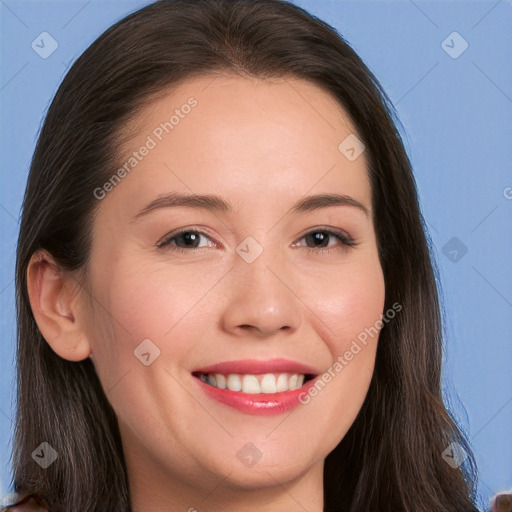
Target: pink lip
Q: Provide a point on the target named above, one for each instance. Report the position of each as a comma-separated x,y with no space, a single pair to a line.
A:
255,367
261,403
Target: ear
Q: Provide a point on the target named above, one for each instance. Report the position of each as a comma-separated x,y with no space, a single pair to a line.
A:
55,300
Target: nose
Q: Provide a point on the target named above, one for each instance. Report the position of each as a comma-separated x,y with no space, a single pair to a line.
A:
261,299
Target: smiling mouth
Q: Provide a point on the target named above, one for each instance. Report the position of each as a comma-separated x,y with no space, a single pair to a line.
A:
267,383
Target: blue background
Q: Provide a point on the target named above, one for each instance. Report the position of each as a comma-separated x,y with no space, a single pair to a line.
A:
457,126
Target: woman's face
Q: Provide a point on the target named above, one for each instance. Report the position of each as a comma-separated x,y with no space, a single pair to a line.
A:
257,286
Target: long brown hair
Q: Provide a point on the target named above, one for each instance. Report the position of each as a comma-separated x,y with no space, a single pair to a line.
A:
391,458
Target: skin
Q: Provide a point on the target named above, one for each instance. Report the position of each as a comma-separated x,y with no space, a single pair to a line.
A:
262,146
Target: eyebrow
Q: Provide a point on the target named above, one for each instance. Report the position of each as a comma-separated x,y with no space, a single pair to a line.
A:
215,203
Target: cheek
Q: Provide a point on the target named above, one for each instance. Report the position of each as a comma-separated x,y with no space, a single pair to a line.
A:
146,301
347,302
348,307
148,315
348,311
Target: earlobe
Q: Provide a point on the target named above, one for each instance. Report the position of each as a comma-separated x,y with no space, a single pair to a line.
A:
53,295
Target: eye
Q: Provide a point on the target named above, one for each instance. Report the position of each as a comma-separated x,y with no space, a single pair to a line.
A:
184,240
319,240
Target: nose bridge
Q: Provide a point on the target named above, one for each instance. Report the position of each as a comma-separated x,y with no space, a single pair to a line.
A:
261,293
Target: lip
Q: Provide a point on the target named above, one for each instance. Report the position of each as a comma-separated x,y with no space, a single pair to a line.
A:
261,403
256,366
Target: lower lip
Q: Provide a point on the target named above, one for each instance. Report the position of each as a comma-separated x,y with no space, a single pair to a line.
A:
261,403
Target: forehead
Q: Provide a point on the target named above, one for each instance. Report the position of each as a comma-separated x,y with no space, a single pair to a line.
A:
243,138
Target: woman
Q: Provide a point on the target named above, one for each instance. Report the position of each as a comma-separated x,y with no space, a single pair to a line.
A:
225,294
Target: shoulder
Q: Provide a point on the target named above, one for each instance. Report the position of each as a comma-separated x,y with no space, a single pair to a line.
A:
28,504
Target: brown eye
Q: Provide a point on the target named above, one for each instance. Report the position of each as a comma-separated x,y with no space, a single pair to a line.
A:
186,239
322,238
318,238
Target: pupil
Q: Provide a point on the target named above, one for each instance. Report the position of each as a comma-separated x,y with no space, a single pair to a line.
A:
189,238
320,238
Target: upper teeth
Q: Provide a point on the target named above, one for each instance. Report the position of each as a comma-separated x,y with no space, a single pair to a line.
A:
253,384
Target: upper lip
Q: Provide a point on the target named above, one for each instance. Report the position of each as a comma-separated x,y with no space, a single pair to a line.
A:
257,366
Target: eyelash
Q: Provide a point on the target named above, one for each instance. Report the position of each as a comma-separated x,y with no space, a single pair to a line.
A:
345,240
